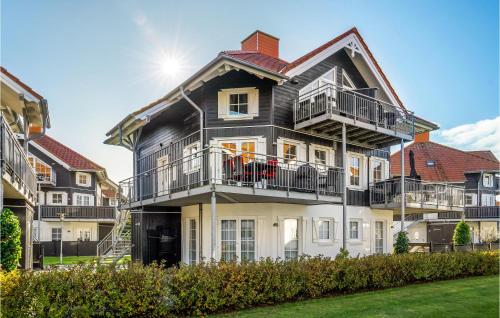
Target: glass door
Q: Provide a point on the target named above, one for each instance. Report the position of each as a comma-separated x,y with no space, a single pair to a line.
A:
379,237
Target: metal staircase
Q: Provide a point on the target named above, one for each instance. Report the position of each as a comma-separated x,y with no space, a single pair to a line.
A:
410,220
117,243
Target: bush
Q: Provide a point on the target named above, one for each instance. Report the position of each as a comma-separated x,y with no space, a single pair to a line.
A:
150,291
461,236
10,237
402,243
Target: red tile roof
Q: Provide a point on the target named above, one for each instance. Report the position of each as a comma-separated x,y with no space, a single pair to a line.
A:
258,59
67,155
486,154
450,163
109,193
18,81
323,47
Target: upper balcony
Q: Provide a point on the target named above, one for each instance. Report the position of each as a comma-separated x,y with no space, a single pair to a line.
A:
19,178
369,121
78,213
420,196
244,177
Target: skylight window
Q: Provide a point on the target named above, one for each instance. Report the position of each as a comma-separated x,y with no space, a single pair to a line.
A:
431,163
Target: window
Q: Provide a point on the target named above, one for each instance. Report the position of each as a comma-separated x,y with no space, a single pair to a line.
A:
192,158
56,233
238,103
347,82
318,85
291,238
431,163
57,198
43,170
289,153
354,166
323,230
83,199
379,237
487,199
238,239
354,230
487,180
84,234
471,199
321,155
192,247
83,179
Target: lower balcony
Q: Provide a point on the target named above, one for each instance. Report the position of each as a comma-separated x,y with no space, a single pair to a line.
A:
420,196
235,178
473,213
75,213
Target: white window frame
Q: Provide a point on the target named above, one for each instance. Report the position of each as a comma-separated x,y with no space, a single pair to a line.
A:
192,161
238,235
189,237
46,166
88,183
319,82
301,148
488,180
50,198
360,230
331,230
384,166
223,103
84,230
58,235
300,232
330,155
384,236
344,74
473,197
488,199
82,197
362,171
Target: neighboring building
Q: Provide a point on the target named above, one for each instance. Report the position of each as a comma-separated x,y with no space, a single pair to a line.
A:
24,116
477,171
246,159
76,187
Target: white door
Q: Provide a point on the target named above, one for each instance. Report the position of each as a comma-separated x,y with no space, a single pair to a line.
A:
226,163
163,175
379,237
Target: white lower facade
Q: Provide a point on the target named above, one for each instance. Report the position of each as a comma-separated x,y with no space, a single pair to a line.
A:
70,231
257,230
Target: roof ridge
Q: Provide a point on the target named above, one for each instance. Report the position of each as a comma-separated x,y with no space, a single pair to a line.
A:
66,147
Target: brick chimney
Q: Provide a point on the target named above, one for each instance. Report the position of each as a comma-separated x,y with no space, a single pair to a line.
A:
263,43
423,137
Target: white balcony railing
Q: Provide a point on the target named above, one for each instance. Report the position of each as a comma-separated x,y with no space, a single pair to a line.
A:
215,165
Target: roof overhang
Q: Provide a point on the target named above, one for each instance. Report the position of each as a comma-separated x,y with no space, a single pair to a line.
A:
423,125
222,64
19,102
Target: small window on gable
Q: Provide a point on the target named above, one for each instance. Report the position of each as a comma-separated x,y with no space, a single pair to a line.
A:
487,180
238,103
83,179
347,82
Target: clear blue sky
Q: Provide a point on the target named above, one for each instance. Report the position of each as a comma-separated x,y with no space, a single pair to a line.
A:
94,61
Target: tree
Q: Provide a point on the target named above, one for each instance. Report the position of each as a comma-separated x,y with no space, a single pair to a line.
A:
461,236
10,237
402,243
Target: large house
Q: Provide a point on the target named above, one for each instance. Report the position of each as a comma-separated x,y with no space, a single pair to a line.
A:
24,117
477,171
76,199
253,156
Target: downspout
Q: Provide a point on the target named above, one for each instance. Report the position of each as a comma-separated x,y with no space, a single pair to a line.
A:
200,111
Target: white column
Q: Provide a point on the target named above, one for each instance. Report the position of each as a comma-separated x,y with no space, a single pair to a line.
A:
403,199
344,186
213,224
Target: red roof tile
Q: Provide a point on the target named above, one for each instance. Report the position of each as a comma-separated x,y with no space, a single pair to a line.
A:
18,81
109,193
67,155
323,47
258,59
486,154
450,163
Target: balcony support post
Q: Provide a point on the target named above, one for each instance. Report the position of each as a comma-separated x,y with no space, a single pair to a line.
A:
344,187
213,225
403,199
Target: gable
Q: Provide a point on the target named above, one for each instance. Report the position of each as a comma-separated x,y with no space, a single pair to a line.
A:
353,44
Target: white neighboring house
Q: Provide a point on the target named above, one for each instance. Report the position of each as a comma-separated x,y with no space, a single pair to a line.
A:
76,189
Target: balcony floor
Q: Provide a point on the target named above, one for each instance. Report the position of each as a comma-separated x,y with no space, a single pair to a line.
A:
359,131
235,194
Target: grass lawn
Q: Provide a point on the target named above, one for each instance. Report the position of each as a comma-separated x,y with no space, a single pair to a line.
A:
72,260
470,297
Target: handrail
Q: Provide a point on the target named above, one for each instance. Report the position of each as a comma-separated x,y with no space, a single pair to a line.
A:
16,159
243,169
75,211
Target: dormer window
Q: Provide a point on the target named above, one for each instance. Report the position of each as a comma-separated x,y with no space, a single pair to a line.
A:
83,179
431,163
238,103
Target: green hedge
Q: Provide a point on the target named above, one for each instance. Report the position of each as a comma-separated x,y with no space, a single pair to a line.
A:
150,291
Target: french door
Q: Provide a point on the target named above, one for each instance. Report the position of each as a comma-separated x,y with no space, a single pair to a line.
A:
163,176
231,156
379,237
237,239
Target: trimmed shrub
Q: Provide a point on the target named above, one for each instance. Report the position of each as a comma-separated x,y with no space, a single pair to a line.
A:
402,244
461,236
10,237
150,291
